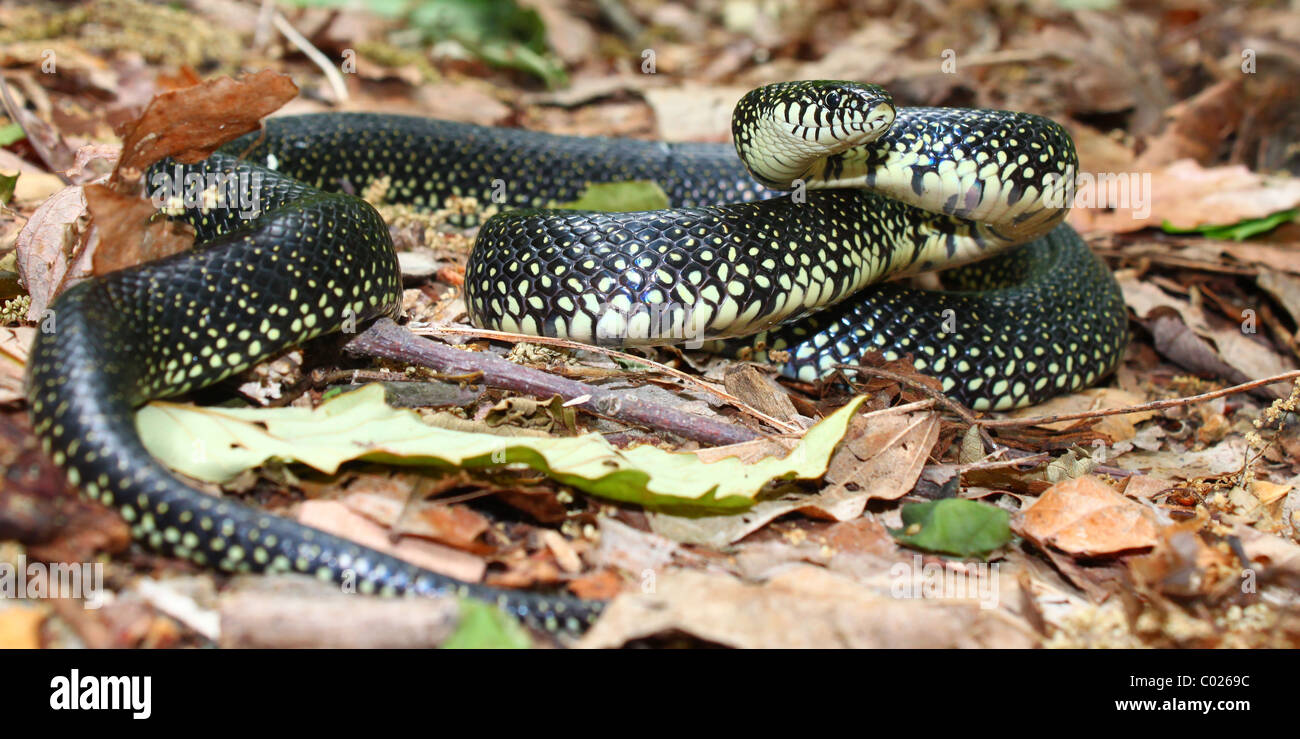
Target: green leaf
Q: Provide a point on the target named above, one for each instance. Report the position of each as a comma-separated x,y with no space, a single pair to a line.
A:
216,444
7,184
11,133
486,627
499,32
1239,231
619,197
954,526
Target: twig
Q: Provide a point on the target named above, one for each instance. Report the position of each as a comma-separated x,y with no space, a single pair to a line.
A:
1153,406
262,34
387,340
569,344
929,392
331,73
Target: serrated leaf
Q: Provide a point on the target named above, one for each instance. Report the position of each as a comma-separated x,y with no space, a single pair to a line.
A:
216,444
620,197
483,626
954,526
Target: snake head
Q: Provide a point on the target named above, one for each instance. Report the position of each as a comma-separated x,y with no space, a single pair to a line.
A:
781,131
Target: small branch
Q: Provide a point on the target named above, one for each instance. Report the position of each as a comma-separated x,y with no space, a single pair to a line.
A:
262,35
387,340
331,72
929,392
569,344
1154,406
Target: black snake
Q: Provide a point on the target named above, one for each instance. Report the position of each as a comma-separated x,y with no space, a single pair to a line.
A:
1037,321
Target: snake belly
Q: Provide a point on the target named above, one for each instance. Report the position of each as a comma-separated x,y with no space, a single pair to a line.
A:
1044,319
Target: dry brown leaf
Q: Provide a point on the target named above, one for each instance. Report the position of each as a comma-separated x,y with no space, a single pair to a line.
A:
1183,564
1285,258
1247,358
1146,487
760,391
15,342
189,124
881,459
128,235
600,585
1284,288
883,463
338,519
632,549
694,113
1099,152
1196,127
803,607
34,183
44,248
863,535
1085,516
1188,195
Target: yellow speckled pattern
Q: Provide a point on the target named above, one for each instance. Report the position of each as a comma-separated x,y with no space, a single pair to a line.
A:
302,257
308,264
926,188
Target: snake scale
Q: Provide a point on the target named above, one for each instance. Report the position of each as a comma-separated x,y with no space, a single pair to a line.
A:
877,192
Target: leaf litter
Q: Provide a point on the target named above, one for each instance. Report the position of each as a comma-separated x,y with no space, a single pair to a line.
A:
1190,512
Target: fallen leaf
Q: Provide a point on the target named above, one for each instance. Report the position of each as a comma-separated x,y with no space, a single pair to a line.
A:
190,123
1197,127
956,526
338,519
803,607
1183,564
1245,358
44,249
126,232
1085,516
215,444
884,463
693,112
1183,195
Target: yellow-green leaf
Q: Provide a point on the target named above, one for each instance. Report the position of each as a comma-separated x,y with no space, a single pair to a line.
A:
619,197
216,444
483,626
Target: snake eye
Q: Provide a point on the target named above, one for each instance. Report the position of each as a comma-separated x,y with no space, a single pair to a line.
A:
832,99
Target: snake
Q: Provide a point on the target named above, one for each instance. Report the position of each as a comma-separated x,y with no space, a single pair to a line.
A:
784,254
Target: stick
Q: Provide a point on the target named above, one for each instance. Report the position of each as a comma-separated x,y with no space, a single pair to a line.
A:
1153,406
567,343
387,340
929,392
314,54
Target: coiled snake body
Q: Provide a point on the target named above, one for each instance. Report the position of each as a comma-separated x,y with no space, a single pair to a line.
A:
1035,322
